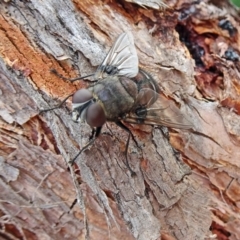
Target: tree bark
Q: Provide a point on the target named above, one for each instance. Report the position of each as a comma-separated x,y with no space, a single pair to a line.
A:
191,49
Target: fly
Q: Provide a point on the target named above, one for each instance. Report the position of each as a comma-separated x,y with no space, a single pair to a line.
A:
123,93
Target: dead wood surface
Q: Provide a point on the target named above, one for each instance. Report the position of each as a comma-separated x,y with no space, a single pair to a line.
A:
191,49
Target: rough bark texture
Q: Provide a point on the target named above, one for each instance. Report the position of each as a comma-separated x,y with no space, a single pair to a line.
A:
164,200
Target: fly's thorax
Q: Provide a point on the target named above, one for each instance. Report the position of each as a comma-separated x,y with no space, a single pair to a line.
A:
87,109
116,95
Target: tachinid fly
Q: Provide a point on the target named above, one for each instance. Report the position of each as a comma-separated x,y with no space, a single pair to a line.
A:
123,93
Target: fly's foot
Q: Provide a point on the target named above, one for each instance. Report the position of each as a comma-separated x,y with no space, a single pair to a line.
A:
133,174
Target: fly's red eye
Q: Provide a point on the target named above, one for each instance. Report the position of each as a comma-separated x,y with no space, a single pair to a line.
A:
95,115
82,96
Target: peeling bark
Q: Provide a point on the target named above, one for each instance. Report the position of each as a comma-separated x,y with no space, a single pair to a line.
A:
165,199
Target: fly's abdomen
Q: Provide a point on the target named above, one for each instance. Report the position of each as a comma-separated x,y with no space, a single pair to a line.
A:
145,80
148,90
116,96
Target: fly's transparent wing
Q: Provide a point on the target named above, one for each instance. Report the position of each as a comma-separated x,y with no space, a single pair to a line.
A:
121,60
155,109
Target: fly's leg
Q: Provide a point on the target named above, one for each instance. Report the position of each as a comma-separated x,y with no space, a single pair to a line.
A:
66,79
54,71
83,149
121,125
95,133
58,106
73,204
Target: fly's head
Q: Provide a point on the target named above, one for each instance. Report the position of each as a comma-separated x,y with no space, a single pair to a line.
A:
87,109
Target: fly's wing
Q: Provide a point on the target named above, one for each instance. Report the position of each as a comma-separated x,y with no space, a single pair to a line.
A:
121,60
152,108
